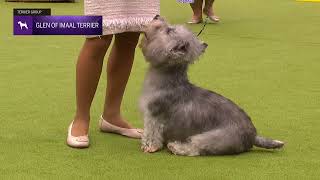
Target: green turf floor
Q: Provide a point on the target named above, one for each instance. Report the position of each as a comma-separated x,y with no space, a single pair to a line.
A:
265,55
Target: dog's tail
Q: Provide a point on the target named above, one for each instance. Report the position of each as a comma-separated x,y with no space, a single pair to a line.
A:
267,143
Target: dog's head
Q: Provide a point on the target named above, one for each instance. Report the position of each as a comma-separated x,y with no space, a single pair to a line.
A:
164,44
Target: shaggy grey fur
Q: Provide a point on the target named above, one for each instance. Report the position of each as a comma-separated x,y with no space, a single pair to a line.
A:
190,120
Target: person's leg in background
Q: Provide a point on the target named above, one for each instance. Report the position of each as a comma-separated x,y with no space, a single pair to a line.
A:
88,73
197,12
118,72
208,11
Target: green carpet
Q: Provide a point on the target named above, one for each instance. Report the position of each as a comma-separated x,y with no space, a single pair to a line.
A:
264,55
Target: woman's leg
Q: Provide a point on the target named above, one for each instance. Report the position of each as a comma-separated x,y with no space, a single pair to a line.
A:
118,71
88,72
208,10
197,10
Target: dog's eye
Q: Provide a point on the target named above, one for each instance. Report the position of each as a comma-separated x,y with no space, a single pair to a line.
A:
169,30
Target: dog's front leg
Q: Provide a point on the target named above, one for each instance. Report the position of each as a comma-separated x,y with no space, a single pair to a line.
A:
152,139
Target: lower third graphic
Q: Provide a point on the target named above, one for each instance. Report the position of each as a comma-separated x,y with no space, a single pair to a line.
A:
57,25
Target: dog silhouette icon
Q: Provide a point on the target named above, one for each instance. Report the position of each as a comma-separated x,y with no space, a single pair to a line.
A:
23,25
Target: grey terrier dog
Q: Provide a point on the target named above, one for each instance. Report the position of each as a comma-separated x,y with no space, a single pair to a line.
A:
190,120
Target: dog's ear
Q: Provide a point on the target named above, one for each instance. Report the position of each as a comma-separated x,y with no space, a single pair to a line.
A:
179,49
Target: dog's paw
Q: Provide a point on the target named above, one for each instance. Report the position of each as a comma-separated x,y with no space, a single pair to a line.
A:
149,148
171,147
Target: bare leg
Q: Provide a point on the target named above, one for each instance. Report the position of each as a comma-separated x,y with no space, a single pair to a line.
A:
208,10
197,10
89,67
118,71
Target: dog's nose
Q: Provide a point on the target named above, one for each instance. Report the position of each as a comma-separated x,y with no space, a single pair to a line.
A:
156,17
